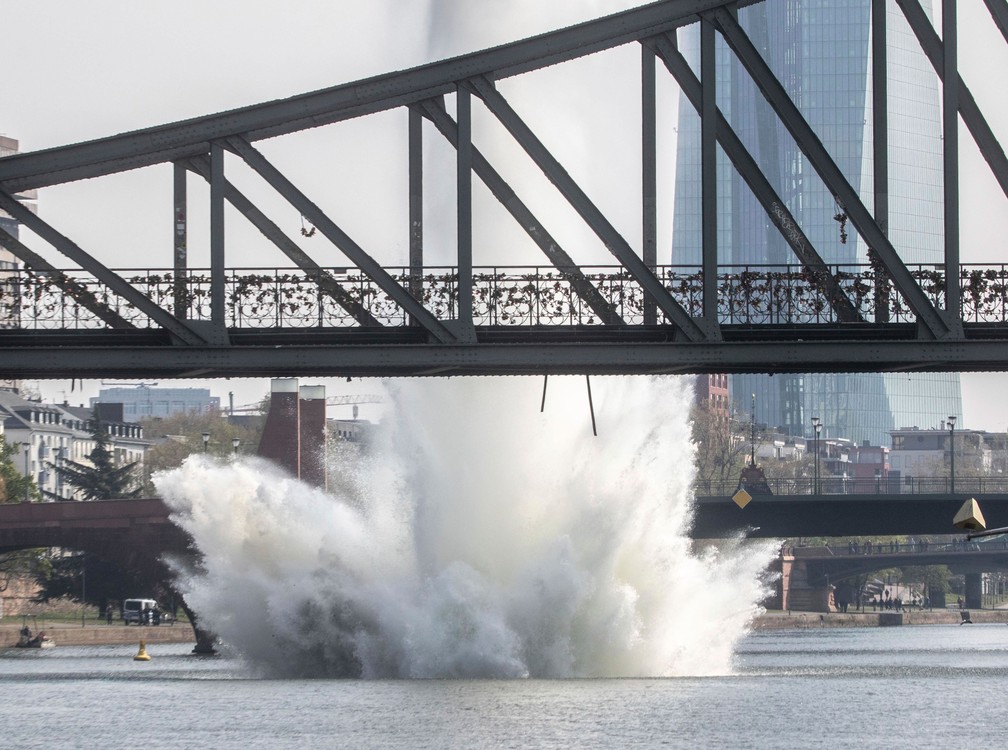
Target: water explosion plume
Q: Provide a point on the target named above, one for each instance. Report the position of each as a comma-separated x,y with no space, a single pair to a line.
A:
476,537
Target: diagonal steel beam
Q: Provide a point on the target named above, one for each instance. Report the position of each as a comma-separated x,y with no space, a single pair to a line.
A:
981,131
747,167
934,322
326,282
192,137
111,279
368,265
999,12
592,216
435,111
83,296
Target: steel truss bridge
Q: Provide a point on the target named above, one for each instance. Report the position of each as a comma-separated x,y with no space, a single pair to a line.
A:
635,316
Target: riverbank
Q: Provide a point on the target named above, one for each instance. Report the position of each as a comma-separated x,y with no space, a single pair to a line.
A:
777,620
70,634
100,634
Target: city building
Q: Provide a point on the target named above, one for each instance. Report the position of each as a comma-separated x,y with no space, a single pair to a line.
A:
820,51
349,430
9,310
926,454
9,147
712,390
839,458
143,401
49,433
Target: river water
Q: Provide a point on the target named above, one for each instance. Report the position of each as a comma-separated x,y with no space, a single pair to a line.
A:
894,687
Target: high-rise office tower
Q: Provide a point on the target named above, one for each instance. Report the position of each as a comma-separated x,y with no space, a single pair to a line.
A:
8,262
821,51
8,147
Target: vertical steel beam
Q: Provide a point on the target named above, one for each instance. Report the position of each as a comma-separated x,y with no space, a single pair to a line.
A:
708,166
217,270
416,261
180,242
649,173
950,156
880,114
463,165
880,142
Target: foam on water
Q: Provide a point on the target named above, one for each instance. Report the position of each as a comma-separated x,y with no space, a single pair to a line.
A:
477,538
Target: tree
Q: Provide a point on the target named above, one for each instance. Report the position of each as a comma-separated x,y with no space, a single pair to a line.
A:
721,452
64,575
14,486
178,436
103,480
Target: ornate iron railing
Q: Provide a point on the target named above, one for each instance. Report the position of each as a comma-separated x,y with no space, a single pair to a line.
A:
993,485
502,296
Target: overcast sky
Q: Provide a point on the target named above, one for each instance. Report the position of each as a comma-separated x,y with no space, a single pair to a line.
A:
78,71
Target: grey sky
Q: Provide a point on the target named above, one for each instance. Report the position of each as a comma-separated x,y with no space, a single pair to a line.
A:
85,70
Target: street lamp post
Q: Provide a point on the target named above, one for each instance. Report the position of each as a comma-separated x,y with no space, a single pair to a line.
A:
951,424
206,441
817,428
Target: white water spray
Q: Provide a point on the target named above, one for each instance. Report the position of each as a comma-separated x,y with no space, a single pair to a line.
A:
477,538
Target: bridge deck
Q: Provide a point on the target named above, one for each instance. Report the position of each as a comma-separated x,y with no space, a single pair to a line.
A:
780,516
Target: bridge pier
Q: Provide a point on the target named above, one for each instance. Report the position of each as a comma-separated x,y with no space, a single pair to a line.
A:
800,589
974,590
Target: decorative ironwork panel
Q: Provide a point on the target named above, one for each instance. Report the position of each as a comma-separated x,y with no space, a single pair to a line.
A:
502,296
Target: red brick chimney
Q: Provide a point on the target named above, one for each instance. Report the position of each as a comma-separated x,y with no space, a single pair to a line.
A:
295,432
312,433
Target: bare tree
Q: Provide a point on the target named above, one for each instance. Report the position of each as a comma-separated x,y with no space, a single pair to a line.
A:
721,450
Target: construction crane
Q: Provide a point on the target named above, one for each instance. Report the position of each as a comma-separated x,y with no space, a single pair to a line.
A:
349,400
354,399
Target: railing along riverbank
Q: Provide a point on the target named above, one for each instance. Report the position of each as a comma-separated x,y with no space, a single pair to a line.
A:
996,485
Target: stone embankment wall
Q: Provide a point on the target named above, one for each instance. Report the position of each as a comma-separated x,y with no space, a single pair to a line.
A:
66,634
18,596
775,620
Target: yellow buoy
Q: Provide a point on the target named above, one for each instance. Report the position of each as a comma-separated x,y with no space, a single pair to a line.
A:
142,654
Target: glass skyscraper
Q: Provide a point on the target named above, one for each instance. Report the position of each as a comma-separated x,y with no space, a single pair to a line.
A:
821,51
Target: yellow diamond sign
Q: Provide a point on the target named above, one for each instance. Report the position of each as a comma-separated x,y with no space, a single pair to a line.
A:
741,498
969,516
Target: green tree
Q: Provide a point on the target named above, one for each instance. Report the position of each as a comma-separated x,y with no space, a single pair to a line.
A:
14,486
102,480
178,436
69,575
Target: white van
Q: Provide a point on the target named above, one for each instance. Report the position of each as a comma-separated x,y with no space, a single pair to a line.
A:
133,610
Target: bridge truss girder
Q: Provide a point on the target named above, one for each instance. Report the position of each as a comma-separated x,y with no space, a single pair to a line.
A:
672,339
